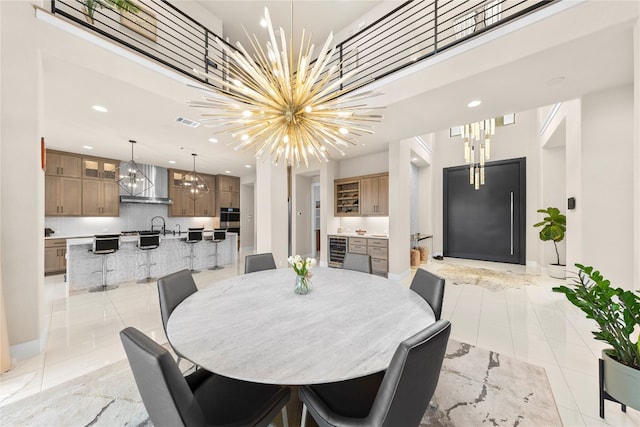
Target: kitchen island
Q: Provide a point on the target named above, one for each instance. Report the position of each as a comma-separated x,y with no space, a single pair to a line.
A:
128,264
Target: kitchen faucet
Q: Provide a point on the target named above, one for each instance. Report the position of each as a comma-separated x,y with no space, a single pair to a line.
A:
164,230
179,231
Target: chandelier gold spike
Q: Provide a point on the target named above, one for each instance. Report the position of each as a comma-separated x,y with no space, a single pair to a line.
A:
291,110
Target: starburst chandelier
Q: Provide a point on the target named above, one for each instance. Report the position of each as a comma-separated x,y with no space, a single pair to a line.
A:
291,110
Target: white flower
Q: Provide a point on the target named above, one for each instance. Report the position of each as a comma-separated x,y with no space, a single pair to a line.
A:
290,259
298,258
299,265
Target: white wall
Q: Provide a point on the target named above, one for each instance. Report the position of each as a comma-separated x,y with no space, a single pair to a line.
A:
301,215
364,165
22,210
608,184
272,224
247,213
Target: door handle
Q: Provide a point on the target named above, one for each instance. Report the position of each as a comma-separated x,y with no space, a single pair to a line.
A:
511,218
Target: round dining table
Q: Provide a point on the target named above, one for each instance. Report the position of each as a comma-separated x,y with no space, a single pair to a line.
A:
254,327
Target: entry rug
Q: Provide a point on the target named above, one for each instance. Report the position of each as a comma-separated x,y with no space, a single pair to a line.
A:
484,277
476,387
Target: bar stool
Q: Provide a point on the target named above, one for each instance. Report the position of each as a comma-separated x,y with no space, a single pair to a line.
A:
148,241
218,236
194,236
105,245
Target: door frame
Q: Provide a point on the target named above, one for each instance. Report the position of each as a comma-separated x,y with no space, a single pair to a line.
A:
522,214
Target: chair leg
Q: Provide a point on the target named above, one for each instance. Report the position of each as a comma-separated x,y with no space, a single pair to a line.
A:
303,419
285,418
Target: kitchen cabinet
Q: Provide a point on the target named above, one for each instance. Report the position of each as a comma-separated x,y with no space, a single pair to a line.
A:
347,196
366,195
206,205
62,196
55,256
103,169
100,198
228,183
183,204
374,195
229,199
62,164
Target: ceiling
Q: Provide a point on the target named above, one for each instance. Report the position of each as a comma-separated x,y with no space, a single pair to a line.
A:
539,64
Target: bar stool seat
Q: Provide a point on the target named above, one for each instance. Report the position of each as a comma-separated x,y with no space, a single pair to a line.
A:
105,245
194,236
148,241
219,235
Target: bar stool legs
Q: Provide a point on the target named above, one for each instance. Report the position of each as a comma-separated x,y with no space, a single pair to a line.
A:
217,255
104,286
148,277
191,256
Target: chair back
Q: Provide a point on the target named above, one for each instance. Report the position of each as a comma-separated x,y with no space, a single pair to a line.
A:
106,243
173,289
411,379
431,288
259,262
194,234
150,240
164,391
357,262
220,234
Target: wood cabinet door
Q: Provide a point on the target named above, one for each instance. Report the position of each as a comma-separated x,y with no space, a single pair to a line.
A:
91,197
51,260
63,165
382,208
183,205
51,195
368,195
206,205
110,198
71,196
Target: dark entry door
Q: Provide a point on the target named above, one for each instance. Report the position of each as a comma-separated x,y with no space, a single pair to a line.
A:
489,223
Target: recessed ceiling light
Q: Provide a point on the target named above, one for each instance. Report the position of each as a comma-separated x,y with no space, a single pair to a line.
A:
227,171
414,159
474,103
87,147
247,166
99,108
213,140
263,23
173,162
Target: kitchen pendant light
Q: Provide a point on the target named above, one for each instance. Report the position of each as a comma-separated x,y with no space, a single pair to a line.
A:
193,184
131,179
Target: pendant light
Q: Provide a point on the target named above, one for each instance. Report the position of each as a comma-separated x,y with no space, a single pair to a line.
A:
131,179
193,184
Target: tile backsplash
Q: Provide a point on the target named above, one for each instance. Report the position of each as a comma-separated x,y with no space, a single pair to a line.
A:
373,224
133,216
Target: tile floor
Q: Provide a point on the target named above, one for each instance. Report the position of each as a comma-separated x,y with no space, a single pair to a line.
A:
531,324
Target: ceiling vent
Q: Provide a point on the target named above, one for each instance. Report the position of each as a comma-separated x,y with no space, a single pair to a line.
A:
188,122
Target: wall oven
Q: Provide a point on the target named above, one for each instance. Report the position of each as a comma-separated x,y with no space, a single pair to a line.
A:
230,219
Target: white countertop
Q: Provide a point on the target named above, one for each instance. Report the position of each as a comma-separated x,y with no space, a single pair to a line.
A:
366,236
86,240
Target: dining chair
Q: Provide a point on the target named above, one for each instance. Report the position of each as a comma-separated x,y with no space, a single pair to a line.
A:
259,262
357,262
201,398
172,290
431,288
399,397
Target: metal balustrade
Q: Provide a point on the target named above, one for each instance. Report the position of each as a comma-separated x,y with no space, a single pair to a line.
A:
414,31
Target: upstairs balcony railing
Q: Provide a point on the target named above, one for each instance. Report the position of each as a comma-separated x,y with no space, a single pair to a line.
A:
410,33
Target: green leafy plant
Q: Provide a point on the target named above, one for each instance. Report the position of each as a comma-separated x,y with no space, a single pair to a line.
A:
554,225
90,7
615,310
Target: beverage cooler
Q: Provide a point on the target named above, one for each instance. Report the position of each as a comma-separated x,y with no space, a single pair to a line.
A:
337,249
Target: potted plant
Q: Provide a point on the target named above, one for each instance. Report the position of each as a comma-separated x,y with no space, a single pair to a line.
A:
617,313
90,6
554,225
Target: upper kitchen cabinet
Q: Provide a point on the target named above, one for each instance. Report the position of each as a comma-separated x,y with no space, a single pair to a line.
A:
206,205
228,192
105,169
183,204
366,195
62,195
100,198
229,183
374,192
63,164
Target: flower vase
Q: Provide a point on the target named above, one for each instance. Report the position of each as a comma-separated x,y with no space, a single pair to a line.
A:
303,285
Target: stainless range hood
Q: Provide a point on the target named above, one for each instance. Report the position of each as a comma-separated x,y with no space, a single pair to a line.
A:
157,194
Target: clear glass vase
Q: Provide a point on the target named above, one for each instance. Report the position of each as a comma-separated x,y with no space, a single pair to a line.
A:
303,285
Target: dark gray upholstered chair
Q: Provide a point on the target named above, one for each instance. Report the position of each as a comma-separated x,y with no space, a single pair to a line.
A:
398,398
259,262
431,288
200,399
357,262
173,289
